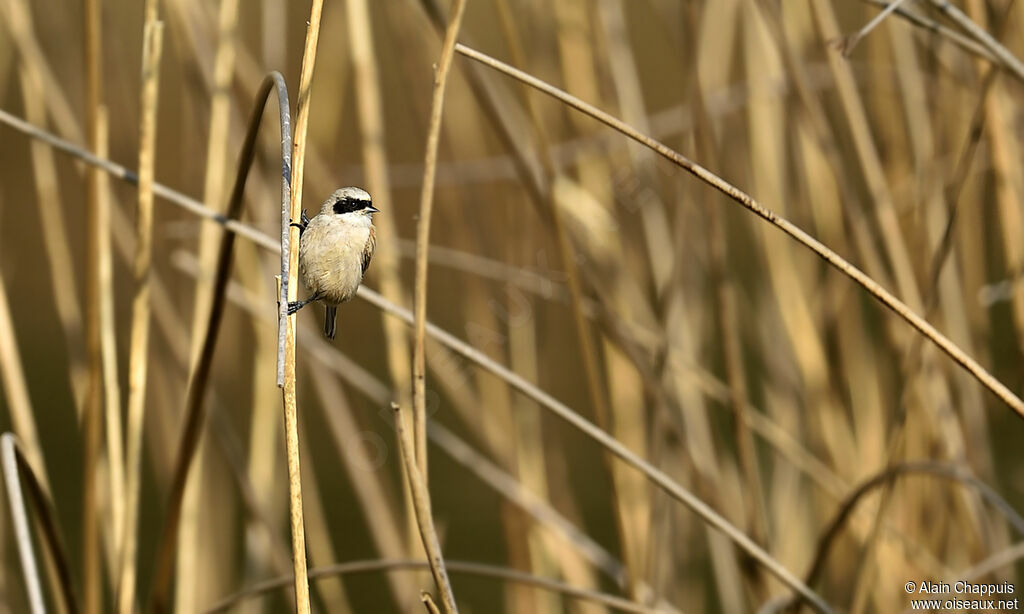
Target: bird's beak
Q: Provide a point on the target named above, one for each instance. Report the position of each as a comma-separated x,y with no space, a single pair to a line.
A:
373,209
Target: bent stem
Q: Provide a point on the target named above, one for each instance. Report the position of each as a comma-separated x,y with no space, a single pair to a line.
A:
195,410
424,517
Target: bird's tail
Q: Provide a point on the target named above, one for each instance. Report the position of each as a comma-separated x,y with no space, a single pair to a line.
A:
330,321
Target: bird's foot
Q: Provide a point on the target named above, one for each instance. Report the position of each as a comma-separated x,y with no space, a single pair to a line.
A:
301,224
294,306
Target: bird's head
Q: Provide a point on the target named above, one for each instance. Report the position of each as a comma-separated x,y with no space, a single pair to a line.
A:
349,201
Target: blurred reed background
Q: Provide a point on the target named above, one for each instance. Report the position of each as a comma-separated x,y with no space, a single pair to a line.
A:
704,340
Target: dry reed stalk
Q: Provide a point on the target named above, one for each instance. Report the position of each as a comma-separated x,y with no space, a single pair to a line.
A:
976,422
424,513
114,453
290,274
545,192
463,567
928,389
466,396
827,143
547,556
793,301
629,299
943,289
127,540
19,403
18,21
459,347
371,125
14,464
96,296
55,234
869,160
729,328
881,294
194,576
419,365
575,41
370,109
866,398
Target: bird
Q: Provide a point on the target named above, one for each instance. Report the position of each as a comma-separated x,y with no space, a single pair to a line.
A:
335,249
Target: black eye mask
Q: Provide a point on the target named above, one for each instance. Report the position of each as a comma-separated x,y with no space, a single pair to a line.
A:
348,205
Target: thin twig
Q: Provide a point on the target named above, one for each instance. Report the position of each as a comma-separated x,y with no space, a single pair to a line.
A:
850,42
953,36
195,408
419,364
14,464
748,202
139,354
464,567
428,603
1007,59
289,291
98,245
424,514
1003,558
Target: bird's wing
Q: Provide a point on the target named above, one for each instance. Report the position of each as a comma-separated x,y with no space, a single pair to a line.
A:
371,244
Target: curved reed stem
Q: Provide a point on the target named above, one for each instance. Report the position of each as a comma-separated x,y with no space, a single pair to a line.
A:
870,285
194,407
887,476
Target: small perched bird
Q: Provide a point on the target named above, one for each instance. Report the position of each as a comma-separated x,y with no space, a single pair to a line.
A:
335,249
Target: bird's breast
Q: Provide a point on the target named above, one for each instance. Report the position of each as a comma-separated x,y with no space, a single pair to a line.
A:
330,258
